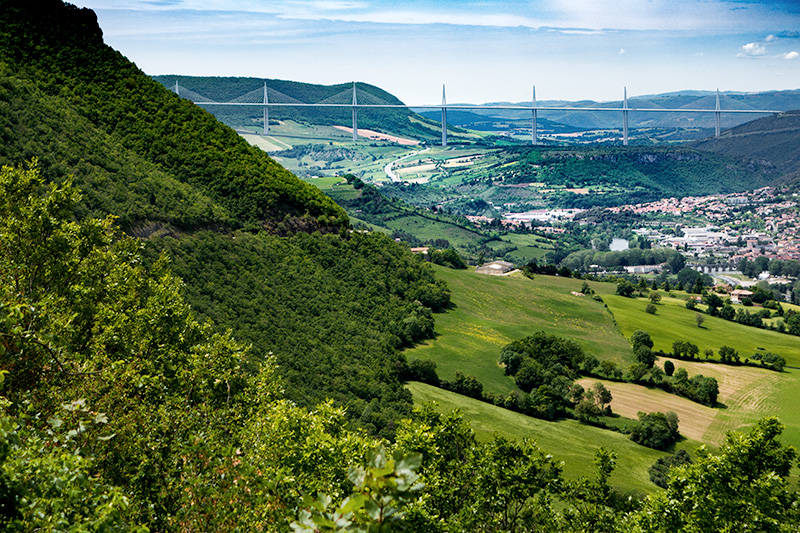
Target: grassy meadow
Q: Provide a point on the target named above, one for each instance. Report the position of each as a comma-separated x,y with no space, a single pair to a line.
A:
672,321
491,311
567,440
747,393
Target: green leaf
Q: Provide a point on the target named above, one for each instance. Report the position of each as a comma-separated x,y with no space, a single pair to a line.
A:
354,502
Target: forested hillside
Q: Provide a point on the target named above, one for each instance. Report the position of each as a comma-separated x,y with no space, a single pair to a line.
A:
774,139
123,409
220,89
55,56
170,171
644,174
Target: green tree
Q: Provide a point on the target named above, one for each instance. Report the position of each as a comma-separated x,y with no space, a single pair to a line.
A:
645,356
660,470
587,410
742,488
728,354
625,288
675,263
513,481
448,258
602,396
656,430
381,490
641,338
699,318
46,481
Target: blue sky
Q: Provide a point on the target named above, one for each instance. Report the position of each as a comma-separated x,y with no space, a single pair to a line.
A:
484,51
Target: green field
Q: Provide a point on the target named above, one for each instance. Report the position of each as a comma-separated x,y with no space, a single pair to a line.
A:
673,321
491,311
567,440
772,394
364,158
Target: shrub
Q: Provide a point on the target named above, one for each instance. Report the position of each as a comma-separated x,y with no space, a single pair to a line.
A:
656,430
659,471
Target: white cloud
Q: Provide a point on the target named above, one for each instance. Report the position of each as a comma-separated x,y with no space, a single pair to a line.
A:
336,5
752,50
791,55
622,51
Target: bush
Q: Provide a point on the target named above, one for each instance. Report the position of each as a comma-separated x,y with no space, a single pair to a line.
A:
659,471
448,258
656,430
625,288
467,386
641,338
655,297
424,371
651,309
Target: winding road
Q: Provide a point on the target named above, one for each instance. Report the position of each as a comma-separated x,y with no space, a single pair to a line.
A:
391,173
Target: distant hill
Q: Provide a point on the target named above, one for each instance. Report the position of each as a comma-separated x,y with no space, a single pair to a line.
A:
774,139
225,89
475,121
689,99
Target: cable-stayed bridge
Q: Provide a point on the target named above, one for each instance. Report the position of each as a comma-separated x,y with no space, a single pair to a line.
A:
358,98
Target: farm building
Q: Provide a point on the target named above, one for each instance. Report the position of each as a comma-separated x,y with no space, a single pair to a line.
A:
738,294
495,268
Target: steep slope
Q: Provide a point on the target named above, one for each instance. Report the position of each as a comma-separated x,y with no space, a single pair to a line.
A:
332,306
774,139
59,48
636,174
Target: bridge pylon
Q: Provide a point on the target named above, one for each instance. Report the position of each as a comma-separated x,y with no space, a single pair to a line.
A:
266,112
534,132
355,114
444,118
625,117
717,117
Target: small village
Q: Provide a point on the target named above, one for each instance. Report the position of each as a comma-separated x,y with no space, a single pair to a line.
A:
725,228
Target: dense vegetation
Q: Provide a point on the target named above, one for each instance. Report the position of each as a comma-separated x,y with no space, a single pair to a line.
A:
124,410
336,308
121,411
333,310
638,174
773,138
53,58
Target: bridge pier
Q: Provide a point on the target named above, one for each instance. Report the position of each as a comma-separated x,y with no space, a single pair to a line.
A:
717,117
444,118
625,117
355,114
534,133
266,111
